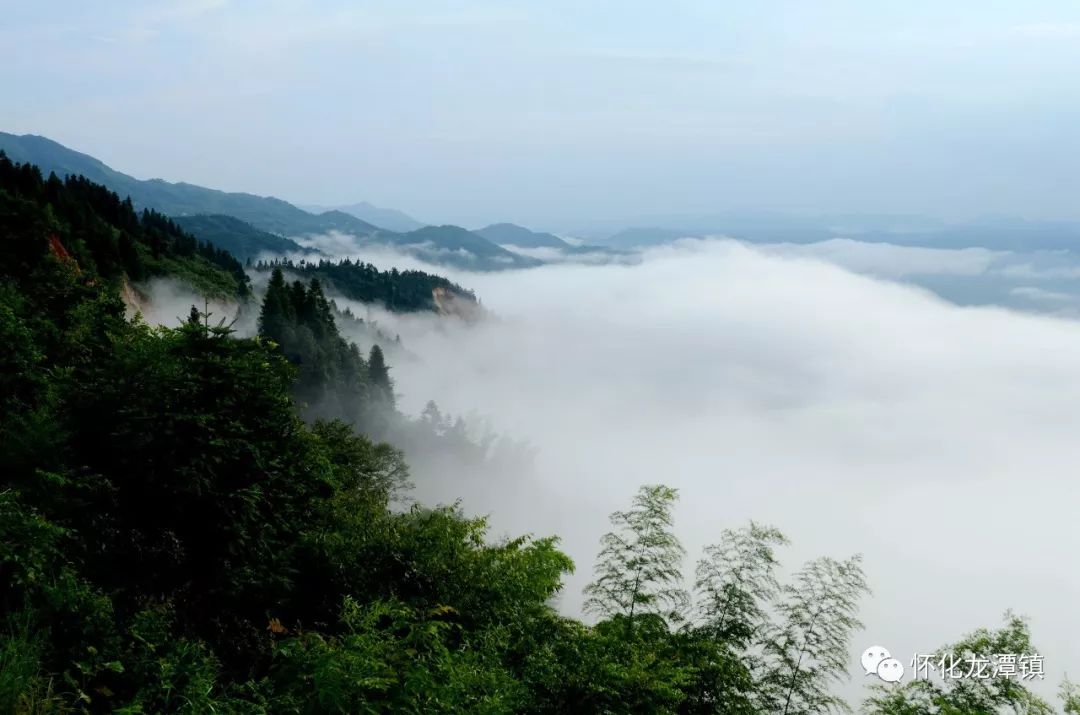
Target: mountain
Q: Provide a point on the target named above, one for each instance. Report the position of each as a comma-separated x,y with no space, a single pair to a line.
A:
101,238
444,245
456,246
398,291
390,219
237,237
180,199
995,233
514,235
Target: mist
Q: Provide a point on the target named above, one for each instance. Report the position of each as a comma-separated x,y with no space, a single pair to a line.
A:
814,388
167,302
857,414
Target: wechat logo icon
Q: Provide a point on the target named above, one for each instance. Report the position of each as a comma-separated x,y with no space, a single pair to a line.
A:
877,660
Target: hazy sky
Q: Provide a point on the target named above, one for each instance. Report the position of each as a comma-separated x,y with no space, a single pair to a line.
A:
556,112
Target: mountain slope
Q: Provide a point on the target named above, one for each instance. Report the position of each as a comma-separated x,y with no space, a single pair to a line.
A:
101,237
180,199
455,246
390,219
237,237
514,235
398,291
445,245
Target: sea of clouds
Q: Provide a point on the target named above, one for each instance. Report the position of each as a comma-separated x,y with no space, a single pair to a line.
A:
857,413
814,388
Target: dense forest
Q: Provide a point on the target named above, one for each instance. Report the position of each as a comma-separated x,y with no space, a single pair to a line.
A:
333,379
396,290
104,234
175,537
241,239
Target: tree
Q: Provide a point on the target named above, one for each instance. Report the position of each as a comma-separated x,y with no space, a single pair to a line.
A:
736,583
276,312
810,649
379,374
638,569
945,696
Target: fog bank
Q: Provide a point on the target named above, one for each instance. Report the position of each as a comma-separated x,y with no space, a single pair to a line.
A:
856,414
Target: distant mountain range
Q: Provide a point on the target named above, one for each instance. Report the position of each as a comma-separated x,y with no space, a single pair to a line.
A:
247,225
261,221
508,234
996,233
390,219
238,237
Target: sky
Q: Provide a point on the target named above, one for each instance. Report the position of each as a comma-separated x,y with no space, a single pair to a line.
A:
560,112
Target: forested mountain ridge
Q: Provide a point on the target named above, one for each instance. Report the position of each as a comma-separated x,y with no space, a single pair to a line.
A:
445,245
461,248
239,238
514,235
400,291
102,235
390,219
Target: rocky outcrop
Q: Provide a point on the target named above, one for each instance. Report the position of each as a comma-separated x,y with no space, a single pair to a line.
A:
449,302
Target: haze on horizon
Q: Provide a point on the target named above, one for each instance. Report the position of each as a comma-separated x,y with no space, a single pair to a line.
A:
554,114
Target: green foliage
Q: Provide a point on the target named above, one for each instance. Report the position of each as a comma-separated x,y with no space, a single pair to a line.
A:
403,291
1070,697
391,657
638,569
100,234
810,648
989,696
736,583
240,239
334,380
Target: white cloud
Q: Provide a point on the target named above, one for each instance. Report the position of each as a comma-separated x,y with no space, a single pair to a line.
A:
857,415
887,260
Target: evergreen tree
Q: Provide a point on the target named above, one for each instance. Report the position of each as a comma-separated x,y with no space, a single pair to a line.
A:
403,291
379,375
195,318
638,569
276,312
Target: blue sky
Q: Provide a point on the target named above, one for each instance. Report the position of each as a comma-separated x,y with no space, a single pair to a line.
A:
552,113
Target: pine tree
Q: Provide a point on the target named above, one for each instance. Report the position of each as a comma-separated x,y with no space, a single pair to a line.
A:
277,310
379,374
638,569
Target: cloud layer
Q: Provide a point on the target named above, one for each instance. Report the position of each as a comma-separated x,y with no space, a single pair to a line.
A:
858,415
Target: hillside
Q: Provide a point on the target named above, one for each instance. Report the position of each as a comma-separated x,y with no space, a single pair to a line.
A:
443,245
399,291
101,236
514,235
390,219
180,199
458,247
237,237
